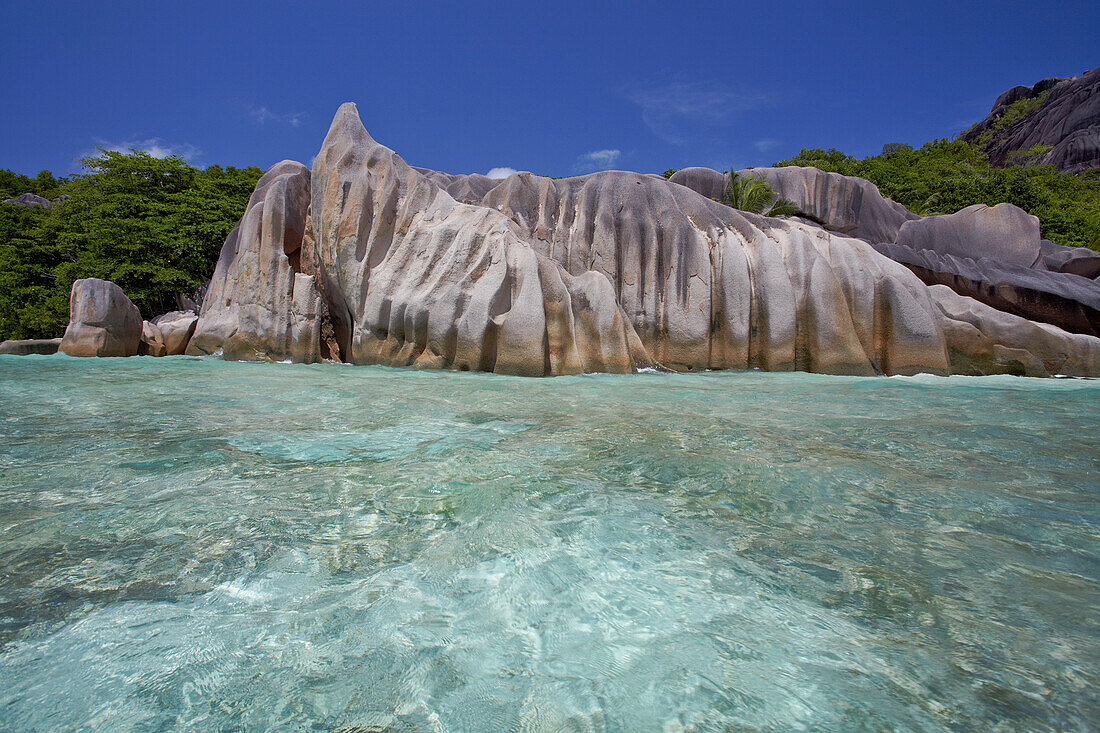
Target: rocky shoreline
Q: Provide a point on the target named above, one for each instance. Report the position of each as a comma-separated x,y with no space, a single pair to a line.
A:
367,260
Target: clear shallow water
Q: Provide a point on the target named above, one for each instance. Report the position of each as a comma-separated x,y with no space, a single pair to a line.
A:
194,543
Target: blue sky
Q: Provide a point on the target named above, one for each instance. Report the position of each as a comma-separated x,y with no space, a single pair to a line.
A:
552,88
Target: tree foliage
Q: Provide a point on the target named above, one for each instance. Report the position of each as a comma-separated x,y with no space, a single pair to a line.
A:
756,196
944,176
152,225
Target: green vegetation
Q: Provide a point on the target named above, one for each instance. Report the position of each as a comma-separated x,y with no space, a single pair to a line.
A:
755,195
1018,110
944,176
154,226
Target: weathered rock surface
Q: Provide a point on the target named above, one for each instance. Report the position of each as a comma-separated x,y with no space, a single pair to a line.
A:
102,321
176,329
538,276
260,305
984,340
152,340
707,287
843,204
1068,120
26,347
1065,300
1004,233
413,277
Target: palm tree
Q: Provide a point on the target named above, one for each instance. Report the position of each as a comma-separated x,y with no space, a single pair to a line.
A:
755,196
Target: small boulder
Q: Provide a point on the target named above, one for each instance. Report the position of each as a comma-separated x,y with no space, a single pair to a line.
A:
1003,233
152,341
176,329
102,321
26,347
704,181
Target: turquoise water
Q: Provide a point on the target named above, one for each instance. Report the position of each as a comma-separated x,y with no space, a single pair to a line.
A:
189,543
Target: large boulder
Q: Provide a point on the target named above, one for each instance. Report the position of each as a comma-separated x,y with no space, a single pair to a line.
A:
1071,260
606,272
260,305
176,329
102,321
1004,233
26,347
30,201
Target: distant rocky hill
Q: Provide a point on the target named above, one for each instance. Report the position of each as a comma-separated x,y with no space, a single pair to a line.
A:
1056,120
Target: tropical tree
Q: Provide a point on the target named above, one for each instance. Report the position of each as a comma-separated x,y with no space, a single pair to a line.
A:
755,196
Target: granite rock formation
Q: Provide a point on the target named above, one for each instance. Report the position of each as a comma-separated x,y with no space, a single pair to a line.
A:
995,255
102,321
260,305
372,261
1068,120
1071,260
703,181
26,347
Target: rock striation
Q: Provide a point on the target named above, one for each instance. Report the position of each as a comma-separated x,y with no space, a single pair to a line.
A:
368,260
1065,300
102,321
984,340
1067,120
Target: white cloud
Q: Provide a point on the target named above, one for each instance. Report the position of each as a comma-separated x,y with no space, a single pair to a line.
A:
766,144
154,146
676,112
500,172
262,114
597,160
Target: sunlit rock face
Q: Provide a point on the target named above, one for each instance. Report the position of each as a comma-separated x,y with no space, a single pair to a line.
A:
102,321
368,260
260,305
